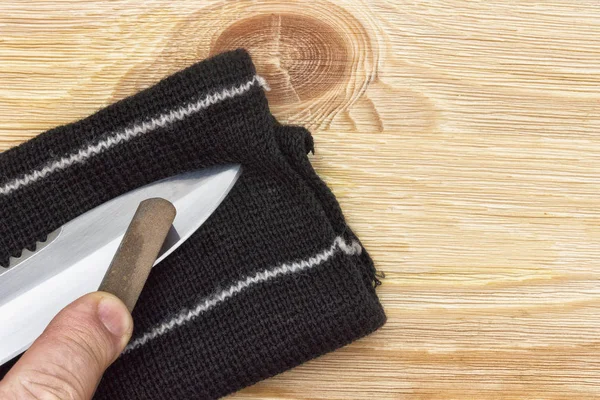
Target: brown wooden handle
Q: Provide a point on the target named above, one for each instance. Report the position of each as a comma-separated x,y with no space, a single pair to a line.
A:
138,250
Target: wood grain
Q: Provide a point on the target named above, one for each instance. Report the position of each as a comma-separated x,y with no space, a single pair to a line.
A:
461,138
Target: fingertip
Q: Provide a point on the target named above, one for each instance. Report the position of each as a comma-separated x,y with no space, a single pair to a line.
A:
115,317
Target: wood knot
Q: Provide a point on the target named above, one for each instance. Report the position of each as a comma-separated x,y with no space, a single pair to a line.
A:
314,62
300,56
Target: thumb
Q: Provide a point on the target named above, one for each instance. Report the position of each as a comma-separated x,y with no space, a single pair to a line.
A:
67,361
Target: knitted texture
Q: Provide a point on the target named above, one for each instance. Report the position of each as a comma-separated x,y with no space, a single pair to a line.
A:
274,278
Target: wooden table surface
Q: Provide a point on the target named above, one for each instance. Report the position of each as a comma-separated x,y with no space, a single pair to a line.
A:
461,137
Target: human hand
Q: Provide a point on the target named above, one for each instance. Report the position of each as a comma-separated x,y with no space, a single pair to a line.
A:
67,361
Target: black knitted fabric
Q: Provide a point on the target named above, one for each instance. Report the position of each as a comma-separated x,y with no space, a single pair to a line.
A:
279,212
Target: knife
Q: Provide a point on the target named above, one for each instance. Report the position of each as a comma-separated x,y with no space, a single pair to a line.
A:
75,258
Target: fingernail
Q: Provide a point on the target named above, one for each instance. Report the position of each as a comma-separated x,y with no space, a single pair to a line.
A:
115,316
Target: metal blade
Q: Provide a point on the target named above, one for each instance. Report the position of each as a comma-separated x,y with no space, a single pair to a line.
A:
75,258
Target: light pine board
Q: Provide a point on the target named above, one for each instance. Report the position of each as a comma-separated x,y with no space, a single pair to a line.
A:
461,138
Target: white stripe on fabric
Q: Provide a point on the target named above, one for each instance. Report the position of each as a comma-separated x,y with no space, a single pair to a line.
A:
210,302
127,134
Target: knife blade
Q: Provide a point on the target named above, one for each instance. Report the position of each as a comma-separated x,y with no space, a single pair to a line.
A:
75,257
